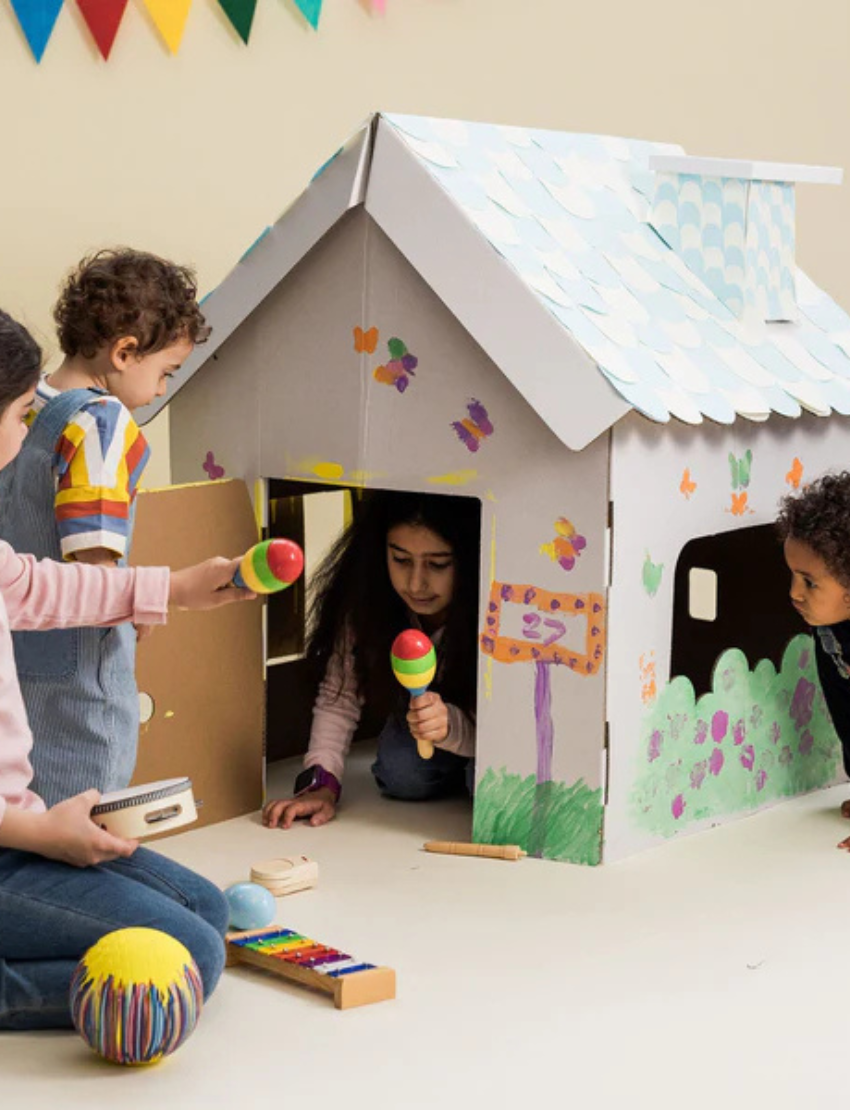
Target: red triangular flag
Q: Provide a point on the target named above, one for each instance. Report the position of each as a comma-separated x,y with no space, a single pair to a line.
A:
104,18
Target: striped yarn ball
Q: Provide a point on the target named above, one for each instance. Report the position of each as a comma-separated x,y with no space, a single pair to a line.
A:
136,996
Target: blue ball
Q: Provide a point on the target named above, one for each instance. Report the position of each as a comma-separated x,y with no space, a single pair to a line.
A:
251,906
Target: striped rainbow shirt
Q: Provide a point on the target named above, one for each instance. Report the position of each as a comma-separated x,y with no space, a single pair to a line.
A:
99,461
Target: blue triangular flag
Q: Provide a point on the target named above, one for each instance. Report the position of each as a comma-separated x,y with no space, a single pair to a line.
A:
37,19
311,10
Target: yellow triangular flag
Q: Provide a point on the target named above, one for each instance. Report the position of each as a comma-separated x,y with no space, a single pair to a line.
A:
170,17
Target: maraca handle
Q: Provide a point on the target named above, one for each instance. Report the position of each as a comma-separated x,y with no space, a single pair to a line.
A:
425,749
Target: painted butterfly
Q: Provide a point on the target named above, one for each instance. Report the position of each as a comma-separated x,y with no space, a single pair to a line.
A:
741,469
214,471
566,546
475,428
795,474
399,369
365,340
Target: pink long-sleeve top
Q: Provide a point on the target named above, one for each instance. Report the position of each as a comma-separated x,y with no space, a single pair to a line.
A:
337,709
39,595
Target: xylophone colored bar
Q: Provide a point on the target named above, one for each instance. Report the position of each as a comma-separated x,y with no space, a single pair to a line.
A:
291,955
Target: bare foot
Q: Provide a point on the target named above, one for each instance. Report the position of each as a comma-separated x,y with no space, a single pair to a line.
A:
845,809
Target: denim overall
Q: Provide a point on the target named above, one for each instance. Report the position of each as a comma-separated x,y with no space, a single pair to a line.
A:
79,684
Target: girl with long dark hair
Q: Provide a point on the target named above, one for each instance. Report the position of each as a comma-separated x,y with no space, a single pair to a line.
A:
407,560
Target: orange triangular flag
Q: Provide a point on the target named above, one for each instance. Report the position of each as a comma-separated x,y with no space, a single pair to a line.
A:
170,18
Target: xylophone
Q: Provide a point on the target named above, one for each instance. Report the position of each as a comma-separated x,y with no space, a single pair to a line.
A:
291,955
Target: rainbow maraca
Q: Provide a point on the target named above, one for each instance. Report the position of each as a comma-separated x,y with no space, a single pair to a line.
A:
269,566
414,664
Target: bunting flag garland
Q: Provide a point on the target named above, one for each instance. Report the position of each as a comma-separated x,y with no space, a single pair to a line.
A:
37,19
103,18
241,15
311,10
170,18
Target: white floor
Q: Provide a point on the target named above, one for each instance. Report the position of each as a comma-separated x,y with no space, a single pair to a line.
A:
708,973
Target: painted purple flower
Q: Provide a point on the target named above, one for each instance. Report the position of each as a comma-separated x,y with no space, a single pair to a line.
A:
802,703
698,773
739,732
507,593
748,757
803,661
716,761
678,806
761,779
701,732
785,756
566,562
719,725
807,742
654,745
775,732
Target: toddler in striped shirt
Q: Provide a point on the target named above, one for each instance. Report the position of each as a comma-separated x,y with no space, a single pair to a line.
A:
126,322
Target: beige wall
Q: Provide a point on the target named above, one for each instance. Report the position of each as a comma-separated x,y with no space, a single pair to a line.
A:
192,156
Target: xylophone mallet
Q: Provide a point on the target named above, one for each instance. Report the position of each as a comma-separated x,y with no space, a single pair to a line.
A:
490,851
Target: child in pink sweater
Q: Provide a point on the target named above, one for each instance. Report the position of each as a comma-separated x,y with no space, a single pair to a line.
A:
407,560
65,882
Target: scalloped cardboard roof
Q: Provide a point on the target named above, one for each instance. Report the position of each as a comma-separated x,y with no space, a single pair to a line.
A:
539,242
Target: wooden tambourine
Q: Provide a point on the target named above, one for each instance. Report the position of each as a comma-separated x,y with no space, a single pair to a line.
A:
140,811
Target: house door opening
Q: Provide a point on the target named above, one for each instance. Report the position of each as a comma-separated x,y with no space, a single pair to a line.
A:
315,515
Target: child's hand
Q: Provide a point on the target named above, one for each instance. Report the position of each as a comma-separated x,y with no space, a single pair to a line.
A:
71,836
428,718
206,585
143,632
318,807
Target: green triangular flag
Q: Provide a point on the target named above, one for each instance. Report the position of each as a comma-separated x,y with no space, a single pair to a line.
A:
311,10
241,15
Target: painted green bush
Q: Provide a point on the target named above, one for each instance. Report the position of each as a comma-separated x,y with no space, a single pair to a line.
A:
549,819
756,737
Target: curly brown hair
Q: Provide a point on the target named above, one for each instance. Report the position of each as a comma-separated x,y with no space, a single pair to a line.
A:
819,516
117,293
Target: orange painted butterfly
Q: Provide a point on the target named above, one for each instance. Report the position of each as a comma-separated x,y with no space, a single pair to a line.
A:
365,341
687,486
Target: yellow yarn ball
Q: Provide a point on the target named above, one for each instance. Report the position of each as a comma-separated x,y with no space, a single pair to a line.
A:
136,995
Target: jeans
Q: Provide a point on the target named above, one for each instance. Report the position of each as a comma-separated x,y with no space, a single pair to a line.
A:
51,913
401,772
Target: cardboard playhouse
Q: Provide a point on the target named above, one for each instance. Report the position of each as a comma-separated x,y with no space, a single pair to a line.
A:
607,344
